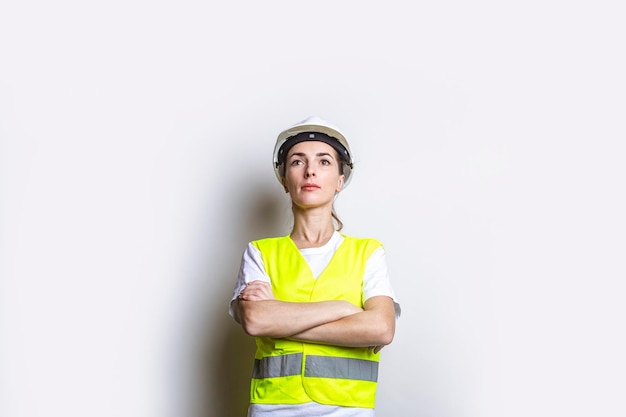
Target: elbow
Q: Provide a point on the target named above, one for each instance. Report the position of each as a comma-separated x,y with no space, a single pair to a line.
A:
250,325
248,329
251,328
386,338
386,333
255,321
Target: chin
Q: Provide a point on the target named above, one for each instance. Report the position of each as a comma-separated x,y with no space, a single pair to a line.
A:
312,203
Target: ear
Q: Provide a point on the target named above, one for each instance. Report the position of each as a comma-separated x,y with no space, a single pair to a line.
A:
282,181
340,183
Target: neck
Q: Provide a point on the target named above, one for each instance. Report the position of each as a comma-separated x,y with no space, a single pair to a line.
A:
311,230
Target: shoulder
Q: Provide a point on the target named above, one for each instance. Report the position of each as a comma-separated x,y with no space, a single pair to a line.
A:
365,245
268,239
270,242
369,241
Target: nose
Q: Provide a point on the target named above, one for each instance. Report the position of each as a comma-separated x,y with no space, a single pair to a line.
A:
309,172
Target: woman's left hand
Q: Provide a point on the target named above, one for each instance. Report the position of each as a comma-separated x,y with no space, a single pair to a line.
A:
257,291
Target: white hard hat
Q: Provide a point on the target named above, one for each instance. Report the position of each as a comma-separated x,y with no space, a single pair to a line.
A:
313,128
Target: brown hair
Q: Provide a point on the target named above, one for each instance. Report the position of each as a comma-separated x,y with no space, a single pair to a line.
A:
337,220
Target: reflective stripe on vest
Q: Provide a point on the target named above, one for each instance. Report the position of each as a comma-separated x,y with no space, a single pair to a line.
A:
277,366
344,368
316,366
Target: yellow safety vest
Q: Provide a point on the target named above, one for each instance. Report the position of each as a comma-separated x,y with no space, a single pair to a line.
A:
292,372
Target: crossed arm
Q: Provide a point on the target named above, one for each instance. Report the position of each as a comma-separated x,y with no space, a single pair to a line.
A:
335,322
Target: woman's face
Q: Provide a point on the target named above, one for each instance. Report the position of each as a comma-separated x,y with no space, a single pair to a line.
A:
312,175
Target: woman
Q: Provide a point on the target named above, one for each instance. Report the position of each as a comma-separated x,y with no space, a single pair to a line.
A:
319,303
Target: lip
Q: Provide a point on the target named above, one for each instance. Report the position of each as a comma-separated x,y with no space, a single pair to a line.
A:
309,186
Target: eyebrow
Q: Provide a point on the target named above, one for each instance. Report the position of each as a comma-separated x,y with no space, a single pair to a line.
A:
302,154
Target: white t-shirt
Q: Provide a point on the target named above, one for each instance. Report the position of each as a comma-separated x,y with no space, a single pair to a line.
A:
375,282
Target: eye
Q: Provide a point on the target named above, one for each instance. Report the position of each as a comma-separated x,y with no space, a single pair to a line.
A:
325,162
295,162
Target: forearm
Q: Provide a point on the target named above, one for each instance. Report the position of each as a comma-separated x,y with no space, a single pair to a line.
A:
373,327
273,318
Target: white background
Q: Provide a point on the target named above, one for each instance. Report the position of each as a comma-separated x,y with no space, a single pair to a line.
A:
135,146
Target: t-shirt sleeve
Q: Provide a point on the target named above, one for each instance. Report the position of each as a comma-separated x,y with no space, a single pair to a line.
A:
376,280
251,269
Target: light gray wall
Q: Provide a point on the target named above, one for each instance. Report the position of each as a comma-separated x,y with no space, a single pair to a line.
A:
135,142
